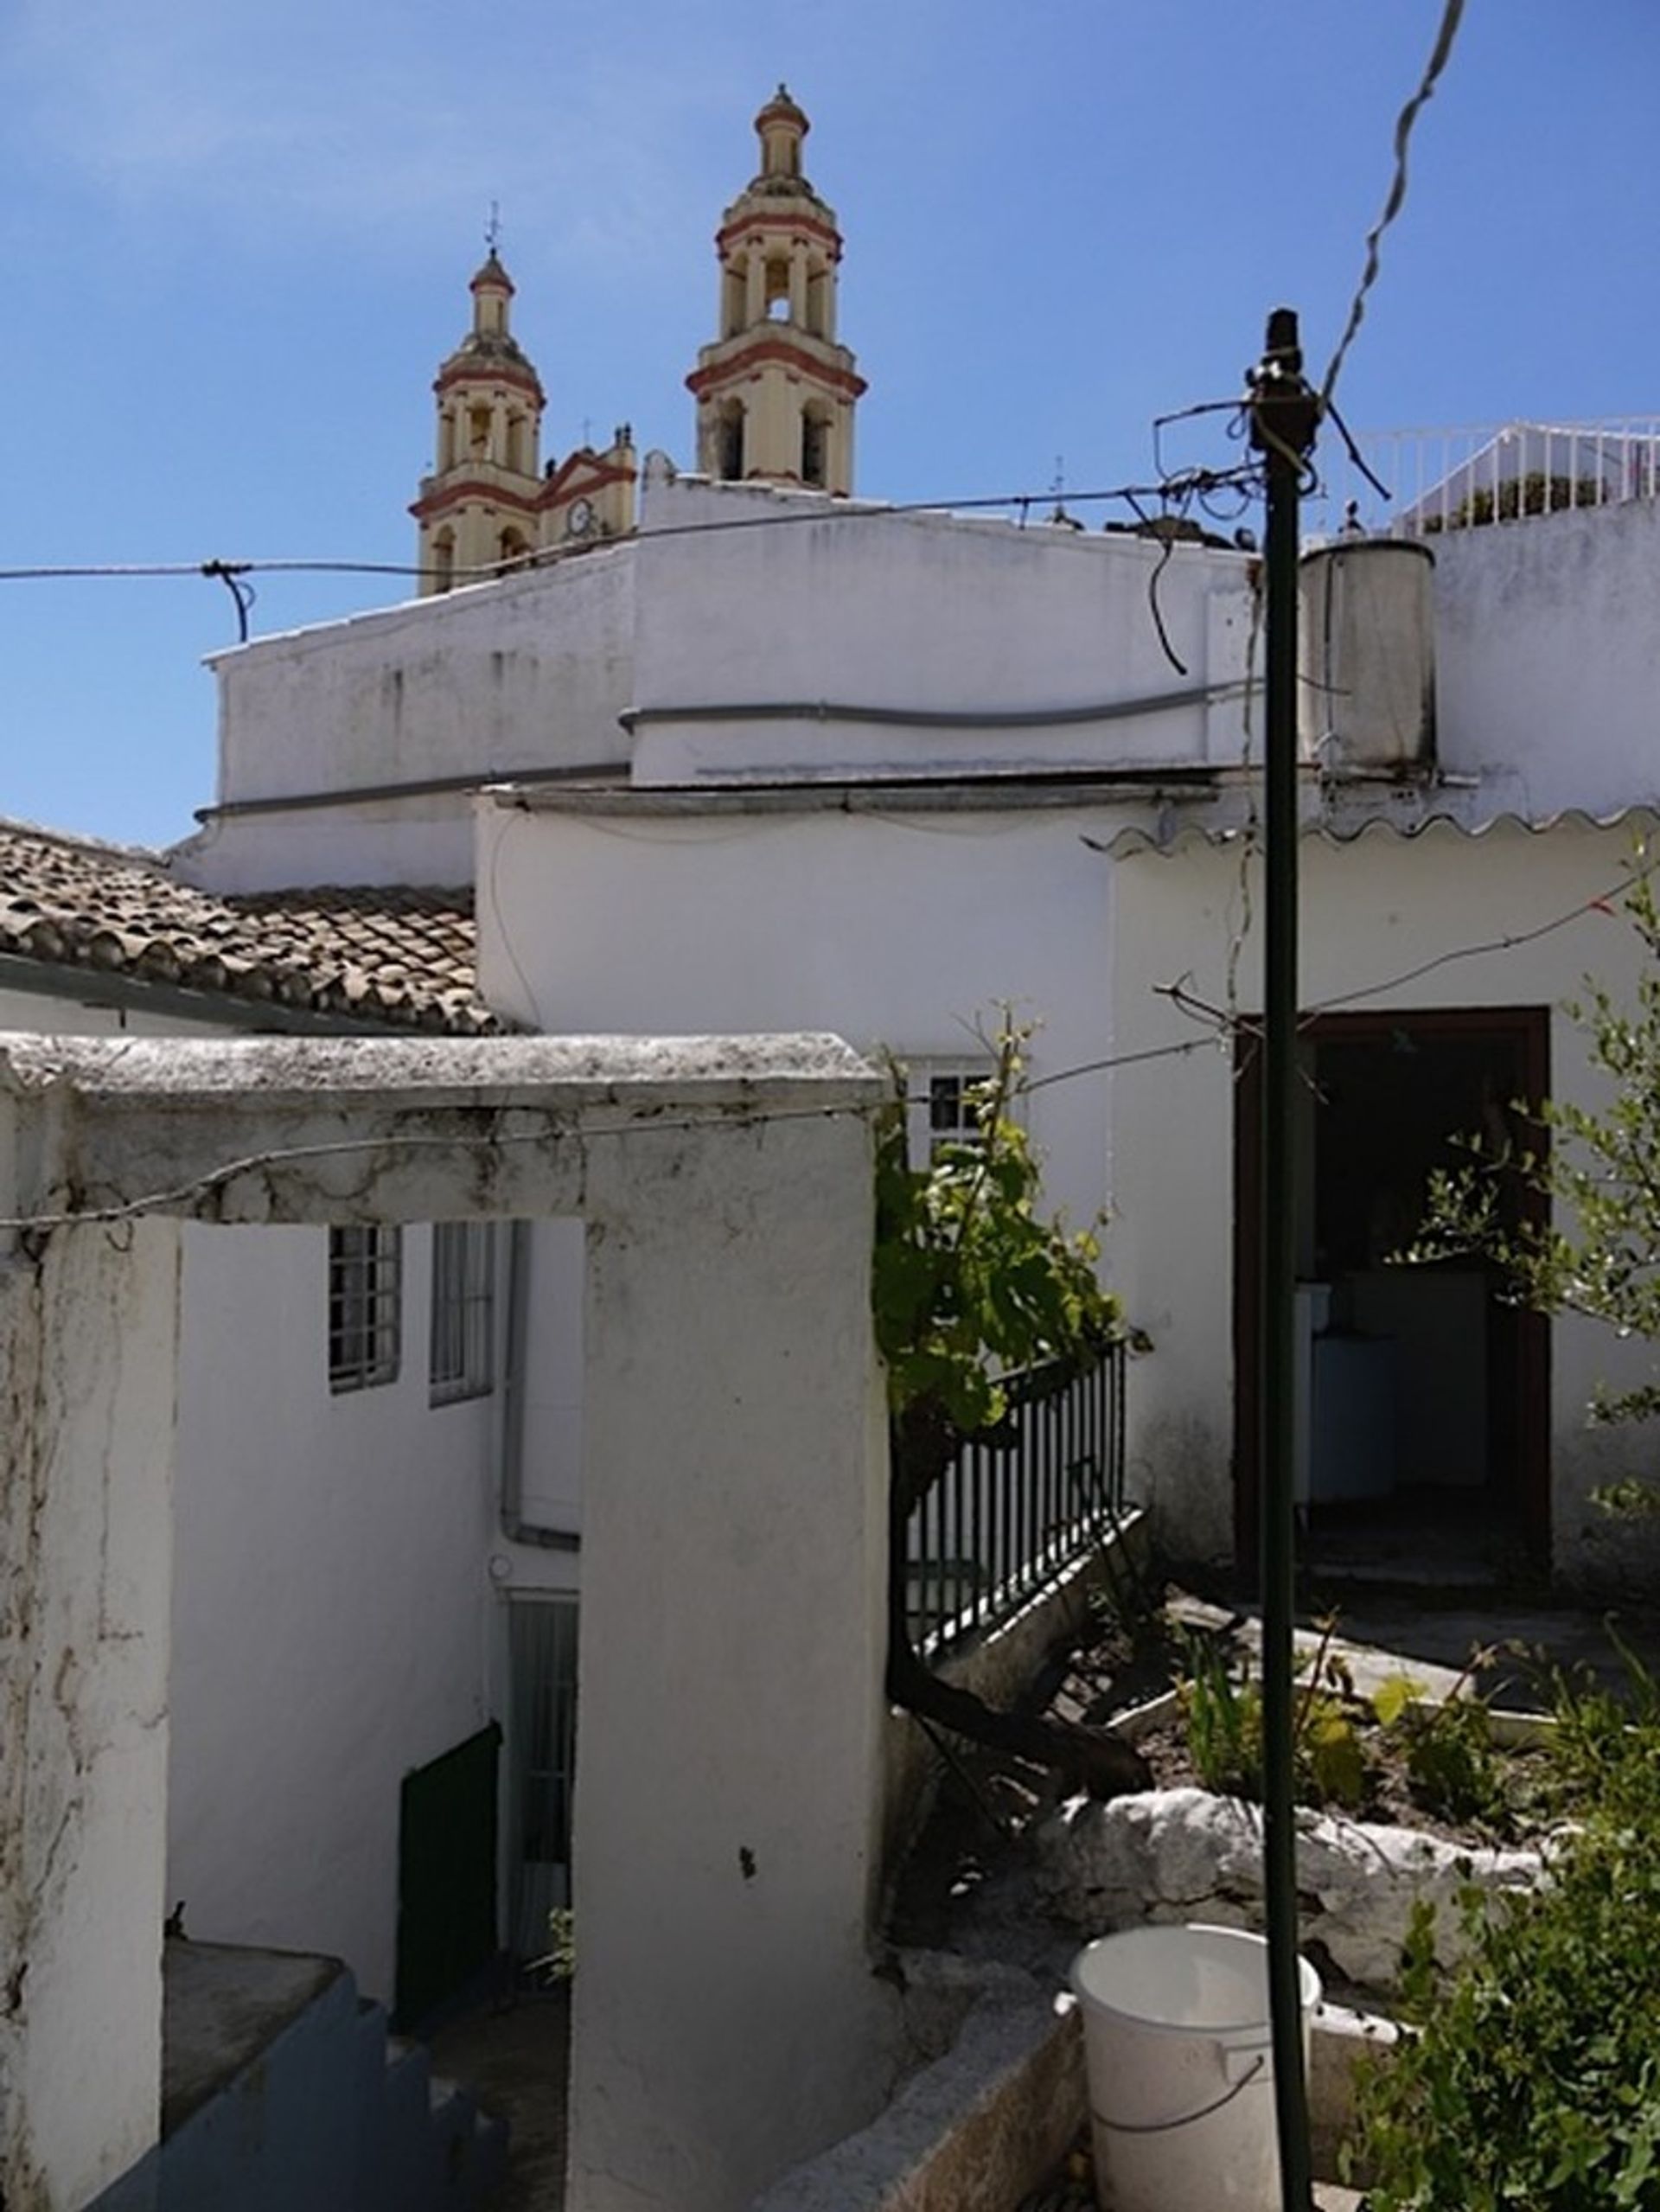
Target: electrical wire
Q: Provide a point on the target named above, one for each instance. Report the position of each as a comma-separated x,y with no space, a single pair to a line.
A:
1191,483
1600,902
1440,53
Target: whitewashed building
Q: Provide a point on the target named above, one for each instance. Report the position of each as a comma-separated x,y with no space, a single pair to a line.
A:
785,756
885,771
738,751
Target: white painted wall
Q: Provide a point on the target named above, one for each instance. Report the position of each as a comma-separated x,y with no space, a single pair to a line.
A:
88,1335
332,1605
825,601
901,929
730,1712
1550,659
849,605
1371,911
526,674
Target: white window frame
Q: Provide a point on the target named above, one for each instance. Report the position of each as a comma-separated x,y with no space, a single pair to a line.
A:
460,1341
935,1109
366,1303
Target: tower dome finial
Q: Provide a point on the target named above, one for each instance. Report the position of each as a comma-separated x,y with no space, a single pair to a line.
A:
781,126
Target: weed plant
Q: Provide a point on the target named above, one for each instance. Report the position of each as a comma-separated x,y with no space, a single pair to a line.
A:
1340,1740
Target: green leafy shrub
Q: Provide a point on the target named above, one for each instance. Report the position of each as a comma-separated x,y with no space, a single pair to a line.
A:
1529,2076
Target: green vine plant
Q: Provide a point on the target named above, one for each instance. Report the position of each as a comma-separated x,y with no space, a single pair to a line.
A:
1595,1170
970,1282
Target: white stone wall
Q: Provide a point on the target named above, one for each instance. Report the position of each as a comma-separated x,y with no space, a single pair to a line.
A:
530,673
1549,658
88,1327
733,1638
839,604
817,601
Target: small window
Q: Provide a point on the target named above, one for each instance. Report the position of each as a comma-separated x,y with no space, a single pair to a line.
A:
462,1361
943,1105
365,1307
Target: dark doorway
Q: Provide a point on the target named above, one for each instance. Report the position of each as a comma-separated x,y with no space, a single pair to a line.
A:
1423,1429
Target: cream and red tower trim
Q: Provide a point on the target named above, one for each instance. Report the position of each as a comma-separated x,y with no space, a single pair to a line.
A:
775,392
481,506
489,505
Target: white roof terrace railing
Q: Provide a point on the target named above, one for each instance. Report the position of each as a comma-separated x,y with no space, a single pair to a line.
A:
1439,480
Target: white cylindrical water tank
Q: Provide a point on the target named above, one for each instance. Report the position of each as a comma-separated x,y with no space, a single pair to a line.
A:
1366,656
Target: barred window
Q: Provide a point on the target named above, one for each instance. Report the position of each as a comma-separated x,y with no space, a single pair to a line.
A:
365,1307
461,1357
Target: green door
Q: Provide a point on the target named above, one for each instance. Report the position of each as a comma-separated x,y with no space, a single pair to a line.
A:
446,1876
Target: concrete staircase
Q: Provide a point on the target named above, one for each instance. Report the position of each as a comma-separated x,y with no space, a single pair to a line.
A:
282,2089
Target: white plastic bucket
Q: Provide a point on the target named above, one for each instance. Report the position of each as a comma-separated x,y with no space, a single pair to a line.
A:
1180,2063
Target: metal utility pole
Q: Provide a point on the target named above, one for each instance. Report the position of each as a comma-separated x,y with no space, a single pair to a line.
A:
1284,413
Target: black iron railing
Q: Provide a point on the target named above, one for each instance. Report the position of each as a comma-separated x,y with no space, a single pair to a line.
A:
1015,1509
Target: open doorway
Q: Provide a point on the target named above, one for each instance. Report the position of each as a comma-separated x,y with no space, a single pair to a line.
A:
1422,1399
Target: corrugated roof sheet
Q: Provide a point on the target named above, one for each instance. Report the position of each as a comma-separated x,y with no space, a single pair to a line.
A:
380,954
1182,832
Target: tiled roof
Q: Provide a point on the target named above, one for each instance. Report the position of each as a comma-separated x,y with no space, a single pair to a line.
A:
378,955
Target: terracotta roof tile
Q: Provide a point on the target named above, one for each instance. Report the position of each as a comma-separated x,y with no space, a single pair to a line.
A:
378,954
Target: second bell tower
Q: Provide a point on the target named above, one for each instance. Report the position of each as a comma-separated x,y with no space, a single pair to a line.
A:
775,392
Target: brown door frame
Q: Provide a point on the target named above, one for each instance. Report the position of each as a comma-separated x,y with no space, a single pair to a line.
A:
1529,1029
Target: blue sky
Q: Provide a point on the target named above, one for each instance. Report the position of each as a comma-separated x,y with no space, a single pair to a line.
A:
234,244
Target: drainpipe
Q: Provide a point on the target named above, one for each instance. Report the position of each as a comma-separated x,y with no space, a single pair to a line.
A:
512,1472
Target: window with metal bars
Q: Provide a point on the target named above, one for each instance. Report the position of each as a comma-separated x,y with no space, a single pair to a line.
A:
461,1355
365,1307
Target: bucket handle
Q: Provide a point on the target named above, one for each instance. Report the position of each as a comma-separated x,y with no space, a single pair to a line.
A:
1166,2126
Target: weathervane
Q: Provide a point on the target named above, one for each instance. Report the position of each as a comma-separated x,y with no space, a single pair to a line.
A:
493,228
